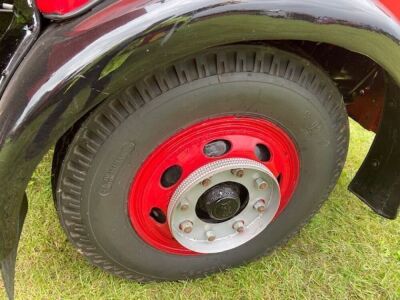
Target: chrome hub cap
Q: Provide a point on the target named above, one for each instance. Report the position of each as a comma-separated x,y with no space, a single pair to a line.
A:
223,205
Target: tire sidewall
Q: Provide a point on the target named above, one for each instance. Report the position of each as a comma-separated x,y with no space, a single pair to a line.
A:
297,111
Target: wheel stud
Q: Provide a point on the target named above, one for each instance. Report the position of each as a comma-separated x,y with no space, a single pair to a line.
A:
206,182
186,226
238,226
261,184
237,172
184,206
260,206
211,236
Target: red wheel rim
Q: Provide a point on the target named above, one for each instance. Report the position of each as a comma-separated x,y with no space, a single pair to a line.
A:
186,150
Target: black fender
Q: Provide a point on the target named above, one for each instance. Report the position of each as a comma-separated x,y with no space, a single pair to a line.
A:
76,65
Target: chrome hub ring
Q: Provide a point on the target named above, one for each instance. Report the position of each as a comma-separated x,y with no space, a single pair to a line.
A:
203,237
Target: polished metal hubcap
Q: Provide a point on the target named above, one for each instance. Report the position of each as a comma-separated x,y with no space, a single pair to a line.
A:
201,236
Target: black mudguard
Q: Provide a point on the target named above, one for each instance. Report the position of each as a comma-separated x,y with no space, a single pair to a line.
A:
76,65
7,265
377,183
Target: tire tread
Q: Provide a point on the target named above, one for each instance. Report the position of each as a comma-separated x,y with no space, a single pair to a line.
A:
107,118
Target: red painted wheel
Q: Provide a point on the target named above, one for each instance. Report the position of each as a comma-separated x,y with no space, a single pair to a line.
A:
245,137
205,164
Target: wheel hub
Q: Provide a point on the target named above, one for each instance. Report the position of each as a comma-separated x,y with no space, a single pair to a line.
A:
220,203
224,199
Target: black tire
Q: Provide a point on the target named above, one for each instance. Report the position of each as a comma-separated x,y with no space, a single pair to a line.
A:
118,136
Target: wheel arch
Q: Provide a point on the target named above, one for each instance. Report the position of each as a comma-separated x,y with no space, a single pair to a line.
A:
358,78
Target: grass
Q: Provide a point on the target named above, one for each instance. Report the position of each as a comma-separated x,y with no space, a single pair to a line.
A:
346,252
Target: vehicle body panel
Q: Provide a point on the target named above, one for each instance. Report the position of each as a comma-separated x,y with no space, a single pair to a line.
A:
19,28
74,67
392,7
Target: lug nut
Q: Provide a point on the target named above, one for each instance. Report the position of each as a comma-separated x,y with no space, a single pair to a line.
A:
237,172
260,206
238,226
261,184
184,206
206,182
211,236
186,226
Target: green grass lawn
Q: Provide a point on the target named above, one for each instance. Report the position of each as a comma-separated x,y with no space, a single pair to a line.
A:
346,252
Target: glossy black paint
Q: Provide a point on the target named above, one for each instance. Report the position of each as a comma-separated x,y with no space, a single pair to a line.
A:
19,29
378,181
75,66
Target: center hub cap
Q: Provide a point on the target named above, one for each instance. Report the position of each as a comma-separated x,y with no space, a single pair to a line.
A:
220,203
224,202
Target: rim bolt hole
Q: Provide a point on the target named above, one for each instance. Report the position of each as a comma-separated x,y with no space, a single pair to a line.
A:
158,215
171,176
238,226
262,152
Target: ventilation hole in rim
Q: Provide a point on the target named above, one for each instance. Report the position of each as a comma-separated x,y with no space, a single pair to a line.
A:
262,152
279,178
158,215
171,176
217,148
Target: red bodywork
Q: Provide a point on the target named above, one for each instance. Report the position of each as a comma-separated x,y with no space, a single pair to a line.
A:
367,107
59,7
393,6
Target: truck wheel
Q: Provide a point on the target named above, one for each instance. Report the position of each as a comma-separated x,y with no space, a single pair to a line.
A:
206,164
